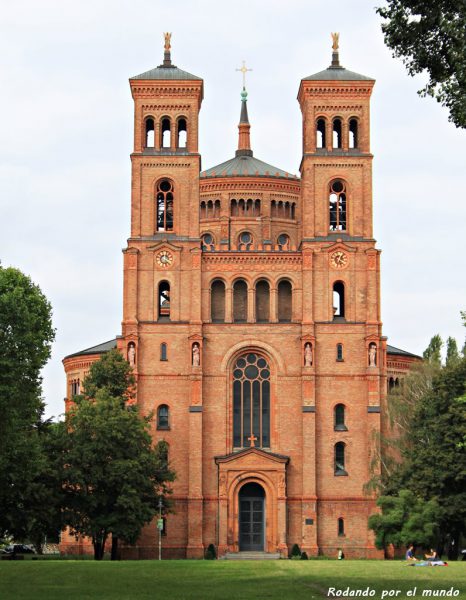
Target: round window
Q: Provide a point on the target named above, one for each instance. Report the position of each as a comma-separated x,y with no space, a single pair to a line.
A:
165,185
245,237
283,239
337,186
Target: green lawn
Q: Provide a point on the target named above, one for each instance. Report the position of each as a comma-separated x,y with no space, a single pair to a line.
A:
221,580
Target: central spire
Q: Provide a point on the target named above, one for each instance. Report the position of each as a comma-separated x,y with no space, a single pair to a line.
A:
244,141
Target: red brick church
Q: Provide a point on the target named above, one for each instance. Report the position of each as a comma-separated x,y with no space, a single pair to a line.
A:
251,315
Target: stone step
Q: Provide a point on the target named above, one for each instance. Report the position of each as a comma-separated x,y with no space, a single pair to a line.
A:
251,556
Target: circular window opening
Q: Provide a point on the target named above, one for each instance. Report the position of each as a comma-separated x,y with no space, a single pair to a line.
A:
165,185
245,237
337,186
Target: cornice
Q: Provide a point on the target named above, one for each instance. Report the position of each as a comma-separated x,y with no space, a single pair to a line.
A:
225,184
241,261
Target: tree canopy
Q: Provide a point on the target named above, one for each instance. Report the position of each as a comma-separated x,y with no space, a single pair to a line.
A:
430,36
424,454
112,475
26,335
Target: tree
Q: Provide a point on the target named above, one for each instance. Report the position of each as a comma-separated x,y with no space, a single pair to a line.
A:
453,356
431,37
405,519
26,334
433,351
112,476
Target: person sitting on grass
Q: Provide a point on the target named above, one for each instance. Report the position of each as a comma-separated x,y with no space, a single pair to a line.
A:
433,556
410,553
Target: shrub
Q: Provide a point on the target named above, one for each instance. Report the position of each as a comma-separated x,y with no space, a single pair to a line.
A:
304,556
295,552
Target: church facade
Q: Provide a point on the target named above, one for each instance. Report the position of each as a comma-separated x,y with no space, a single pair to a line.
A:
251,317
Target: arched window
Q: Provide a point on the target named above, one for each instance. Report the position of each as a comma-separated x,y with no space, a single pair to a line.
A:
337,205
336,141
150,132
338,299
217,301
341,527
208,241
339,465
285,301
262,301
339,352
166,133
182,133
339,418
273,209
203,210
163,351
353,133
251,402
293,210
283,242
164,205
163,417
233,208
163,313
320,133
391,384
240,301
245,240
75,387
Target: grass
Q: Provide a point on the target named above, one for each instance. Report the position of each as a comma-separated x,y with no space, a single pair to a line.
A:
226,580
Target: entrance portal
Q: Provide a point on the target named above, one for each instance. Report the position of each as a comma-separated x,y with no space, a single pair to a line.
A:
251,517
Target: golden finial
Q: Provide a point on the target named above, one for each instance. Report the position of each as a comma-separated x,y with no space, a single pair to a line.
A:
167,37
335,38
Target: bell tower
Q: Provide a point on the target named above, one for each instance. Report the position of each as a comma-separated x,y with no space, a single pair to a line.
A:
161,328
341,285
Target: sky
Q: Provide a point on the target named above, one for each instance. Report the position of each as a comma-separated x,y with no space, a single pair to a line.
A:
66,133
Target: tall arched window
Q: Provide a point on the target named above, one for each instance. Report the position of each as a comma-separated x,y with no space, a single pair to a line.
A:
320,133
150,132
339,465
182,133
339,418
339,352
285,301
353,133
163,351
240,301
338,299
337,205
336,141
251,402
217,301
341,527
163,417
164,218
262,301
163,313
166,133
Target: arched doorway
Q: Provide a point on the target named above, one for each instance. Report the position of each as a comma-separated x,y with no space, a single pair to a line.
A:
251,517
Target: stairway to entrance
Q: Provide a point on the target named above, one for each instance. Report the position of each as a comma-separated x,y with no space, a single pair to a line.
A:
250,555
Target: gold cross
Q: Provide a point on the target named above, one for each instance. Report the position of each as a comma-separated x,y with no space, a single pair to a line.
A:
252,438
244,70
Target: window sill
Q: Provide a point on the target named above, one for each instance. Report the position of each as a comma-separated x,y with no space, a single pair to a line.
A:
341,474
163,428
340,428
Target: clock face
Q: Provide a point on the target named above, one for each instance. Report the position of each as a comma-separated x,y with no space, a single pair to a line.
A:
339,260
164,259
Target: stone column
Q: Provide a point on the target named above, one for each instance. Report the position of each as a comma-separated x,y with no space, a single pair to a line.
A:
228,303
273,305
251,305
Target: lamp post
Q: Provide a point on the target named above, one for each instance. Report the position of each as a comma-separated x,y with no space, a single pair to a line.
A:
160,527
